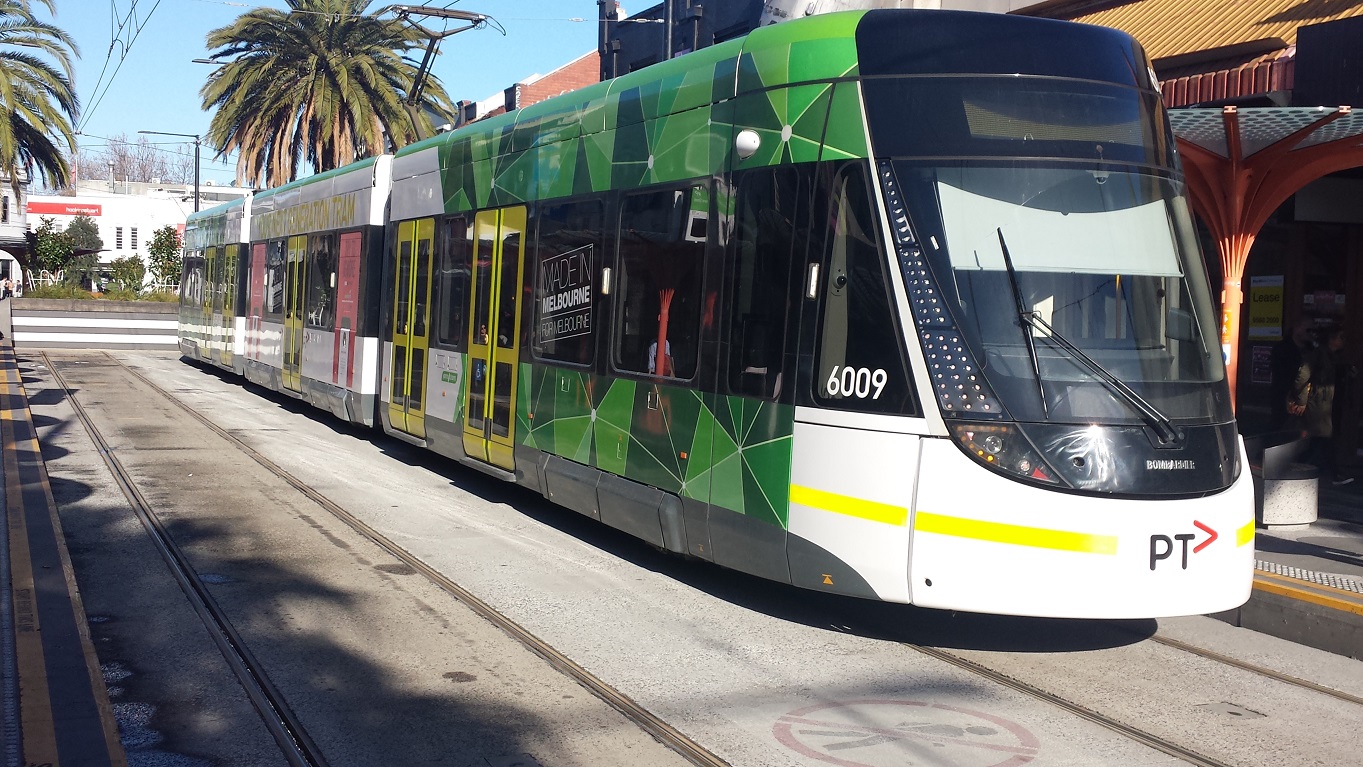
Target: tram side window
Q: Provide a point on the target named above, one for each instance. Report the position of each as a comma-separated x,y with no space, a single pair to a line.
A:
768,238
565,290
657,316
212,275
274,281
454,266
860,359
320,305
191,279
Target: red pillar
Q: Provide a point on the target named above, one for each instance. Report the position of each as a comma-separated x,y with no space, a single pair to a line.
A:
1234,195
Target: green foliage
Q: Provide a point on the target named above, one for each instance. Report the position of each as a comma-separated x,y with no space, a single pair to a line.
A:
164,255
128,274
322,83
52,248
84,233
160,296
119,294
57,291
80,270
38,104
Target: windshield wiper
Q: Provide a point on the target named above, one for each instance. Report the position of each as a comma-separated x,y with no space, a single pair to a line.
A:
1023,311
1032,319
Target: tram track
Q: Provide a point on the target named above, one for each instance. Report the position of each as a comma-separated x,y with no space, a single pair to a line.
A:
1157,742
1163,745
1260,670
658,729
293,740
640,716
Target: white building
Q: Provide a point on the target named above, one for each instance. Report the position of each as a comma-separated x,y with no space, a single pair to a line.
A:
127,213
12,227
126,222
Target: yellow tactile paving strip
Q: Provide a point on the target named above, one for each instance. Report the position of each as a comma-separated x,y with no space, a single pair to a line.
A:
1307,591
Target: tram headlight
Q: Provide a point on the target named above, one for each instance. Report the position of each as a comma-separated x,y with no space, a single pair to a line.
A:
1002,446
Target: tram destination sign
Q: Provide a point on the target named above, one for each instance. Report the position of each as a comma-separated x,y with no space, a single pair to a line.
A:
565,295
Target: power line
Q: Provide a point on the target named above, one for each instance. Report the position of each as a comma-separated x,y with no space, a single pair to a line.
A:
228,163
118,28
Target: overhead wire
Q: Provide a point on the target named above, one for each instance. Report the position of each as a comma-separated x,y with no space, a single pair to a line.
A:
160,146
118,28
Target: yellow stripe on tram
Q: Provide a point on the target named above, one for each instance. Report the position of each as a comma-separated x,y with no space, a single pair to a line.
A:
1245,534
853,507
1017,535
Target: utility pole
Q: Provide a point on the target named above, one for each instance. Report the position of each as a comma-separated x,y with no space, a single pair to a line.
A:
194,136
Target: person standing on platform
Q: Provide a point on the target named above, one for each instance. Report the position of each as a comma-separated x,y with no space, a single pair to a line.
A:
1311,403
1288,355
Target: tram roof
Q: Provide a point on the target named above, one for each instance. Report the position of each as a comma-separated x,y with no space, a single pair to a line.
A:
317,177
220,209
815,49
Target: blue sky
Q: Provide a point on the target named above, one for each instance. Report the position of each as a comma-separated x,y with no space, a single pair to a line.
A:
152,84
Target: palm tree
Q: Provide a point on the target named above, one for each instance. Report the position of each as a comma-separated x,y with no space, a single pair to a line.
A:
323,83
38,106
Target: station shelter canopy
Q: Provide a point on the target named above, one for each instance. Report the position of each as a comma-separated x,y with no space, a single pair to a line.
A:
1242,164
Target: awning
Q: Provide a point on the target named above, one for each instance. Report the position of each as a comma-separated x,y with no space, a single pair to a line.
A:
1242,164
1168,29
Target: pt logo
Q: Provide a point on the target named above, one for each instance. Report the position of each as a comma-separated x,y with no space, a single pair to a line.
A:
1162,546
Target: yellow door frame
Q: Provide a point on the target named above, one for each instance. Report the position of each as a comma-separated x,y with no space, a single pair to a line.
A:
231,255
411,329
494,336
206,304
295,268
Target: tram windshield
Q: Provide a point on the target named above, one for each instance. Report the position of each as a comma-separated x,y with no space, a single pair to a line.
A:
1052,214
1044,265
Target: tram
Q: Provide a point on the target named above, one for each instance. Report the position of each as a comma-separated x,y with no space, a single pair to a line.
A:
213,258
897,304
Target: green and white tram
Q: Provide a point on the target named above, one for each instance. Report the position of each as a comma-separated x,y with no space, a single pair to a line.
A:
211,298
312,318
905,305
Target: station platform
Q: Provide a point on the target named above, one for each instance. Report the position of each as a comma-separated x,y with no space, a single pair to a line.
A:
56,709
1308,582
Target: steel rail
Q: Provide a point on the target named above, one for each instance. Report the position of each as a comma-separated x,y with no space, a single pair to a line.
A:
1260,670
645,719
293,740
1141,736
666,733
1133,733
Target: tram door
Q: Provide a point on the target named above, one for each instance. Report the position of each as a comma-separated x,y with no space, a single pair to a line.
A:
293,312
210,316
494,336
231,255
411,326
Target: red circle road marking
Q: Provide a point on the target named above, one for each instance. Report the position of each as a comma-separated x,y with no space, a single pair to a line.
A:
888,730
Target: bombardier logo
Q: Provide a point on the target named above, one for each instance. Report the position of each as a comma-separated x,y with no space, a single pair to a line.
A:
1169,465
